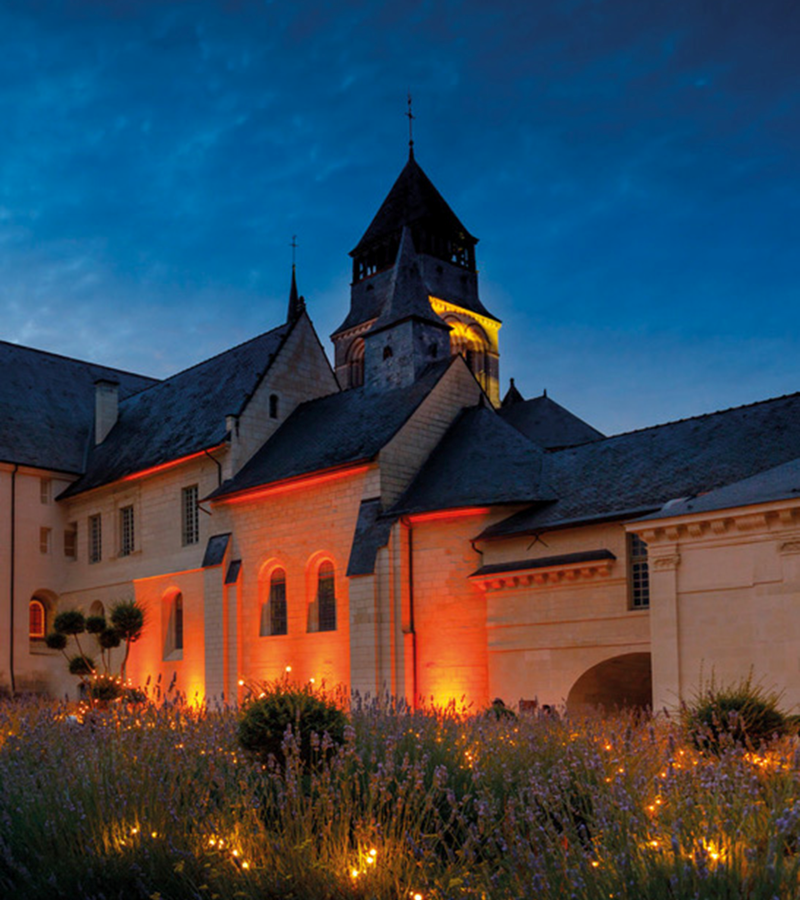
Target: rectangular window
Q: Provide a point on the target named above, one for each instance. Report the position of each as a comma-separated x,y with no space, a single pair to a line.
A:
126,535
71,540
45,535
95,539
189,516
45,490
640,573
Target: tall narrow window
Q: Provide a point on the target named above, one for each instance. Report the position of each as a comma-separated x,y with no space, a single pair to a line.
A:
45,490
126,533
71,540
189,516
640,573
355,363
45,539
95,539
326,597
37,620
178,609
273,406
172,623
273,611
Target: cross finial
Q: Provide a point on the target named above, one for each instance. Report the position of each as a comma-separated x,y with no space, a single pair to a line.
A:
293,245
410,116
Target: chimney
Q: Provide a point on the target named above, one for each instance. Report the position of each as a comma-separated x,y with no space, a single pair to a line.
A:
106,407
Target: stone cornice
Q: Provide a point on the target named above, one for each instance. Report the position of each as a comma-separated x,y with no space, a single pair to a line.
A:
564,572
716,523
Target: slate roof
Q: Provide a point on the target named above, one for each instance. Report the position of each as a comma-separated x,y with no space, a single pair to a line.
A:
635,474
182,415
372,533
407,296
480,461
411,198
779,483
47,406
544,562
333,431
546,422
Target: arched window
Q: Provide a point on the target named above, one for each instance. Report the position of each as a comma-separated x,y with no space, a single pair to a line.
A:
97,609
326,597
173,623
355,363
37,620
273,609
387,353
273,406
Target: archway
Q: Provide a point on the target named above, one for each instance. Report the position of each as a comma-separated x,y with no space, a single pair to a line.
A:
625,680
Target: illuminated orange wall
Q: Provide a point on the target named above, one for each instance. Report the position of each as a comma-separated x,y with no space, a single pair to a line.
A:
295,529
147,654
449,611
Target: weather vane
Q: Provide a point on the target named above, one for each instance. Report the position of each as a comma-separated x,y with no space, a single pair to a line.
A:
410,115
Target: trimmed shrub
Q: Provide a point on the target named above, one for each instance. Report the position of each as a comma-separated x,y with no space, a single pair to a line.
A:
105,688
81,665
743,714
71,621
56,641
109,638
95,624
265,720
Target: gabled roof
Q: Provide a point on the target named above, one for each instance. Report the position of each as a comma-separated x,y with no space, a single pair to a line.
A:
779,483
407,297
635,474
546,422
47,406
412,198
332,431
480,461
182,415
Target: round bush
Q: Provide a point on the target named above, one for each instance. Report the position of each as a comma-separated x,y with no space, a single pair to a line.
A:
109,638
81,665
104,688
743,714
56,641
95,624
265,720
71,621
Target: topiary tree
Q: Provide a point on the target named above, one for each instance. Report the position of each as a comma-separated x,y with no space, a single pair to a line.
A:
127,624
265,720
127,619
744,714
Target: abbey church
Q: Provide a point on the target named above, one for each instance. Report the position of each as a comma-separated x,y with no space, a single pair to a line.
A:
395,522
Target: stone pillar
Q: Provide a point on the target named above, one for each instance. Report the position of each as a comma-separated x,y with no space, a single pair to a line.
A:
665,625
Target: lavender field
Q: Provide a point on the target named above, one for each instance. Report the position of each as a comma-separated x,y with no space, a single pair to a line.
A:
159,802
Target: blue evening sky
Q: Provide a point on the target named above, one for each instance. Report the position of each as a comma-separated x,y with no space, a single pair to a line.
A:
631,167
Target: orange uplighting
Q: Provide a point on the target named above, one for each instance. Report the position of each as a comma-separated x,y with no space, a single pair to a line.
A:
448,514
292,484
144,473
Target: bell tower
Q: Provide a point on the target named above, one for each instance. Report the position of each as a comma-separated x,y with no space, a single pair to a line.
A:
445,257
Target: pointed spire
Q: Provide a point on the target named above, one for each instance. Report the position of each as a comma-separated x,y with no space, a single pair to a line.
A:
297,304
512,396
410,129
407,296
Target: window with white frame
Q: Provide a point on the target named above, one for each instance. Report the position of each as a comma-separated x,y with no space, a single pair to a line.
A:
126,531
639,572
95,538
190,520
45,490
45,539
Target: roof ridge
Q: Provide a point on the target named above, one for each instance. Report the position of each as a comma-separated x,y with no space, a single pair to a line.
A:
209,359
708,415
75,359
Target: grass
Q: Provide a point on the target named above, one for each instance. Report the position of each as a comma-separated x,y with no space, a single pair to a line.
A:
158,802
